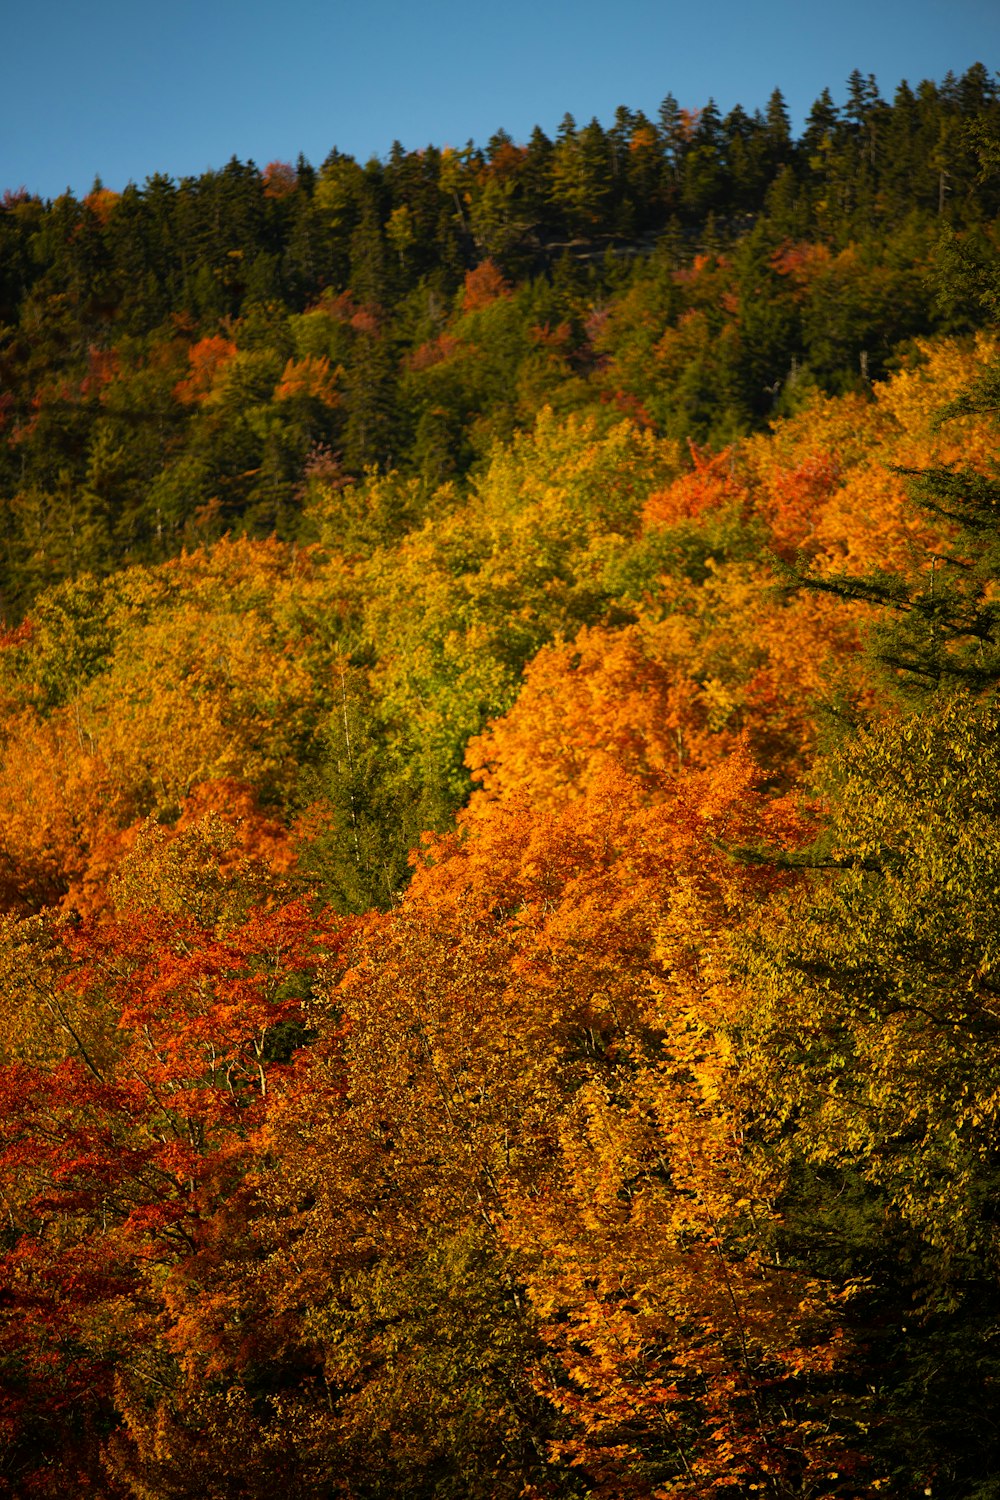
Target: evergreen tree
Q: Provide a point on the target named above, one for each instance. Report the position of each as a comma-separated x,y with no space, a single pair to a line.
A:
706,181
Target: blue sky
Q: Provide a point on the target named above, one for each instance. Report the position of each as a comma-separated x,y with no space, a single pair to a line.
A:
123,89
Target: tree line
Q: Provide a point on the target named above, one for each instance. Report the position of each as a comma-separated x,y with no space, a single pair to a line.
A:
178,359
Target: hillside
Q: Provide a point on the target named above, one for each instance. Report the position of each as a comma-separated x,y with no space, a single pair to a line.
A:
499,827
179,361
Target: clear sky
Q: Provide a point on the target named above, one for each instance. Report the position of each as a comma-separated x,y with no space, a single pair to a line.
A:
125,88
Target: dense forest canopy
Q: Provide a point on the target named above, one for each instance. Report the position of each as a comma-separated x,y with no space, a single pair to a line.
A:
499,946
181,360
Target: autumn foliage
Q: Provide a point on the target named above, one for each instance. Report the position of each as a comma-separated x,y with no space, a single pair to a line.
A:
499,841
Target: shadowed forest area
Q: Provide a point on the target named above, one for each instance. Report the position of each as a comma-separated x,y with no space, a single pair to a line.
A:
500,817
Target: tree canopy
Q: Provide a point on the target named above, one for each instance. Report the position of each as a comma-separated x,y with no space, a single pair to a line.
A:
498,818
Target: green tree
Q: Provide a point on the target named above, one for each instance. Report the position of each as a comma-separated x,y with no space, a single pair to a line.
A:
872,1054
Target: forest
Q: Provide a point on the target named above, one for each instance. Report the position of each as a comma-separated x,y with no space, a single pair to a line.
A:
500,817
